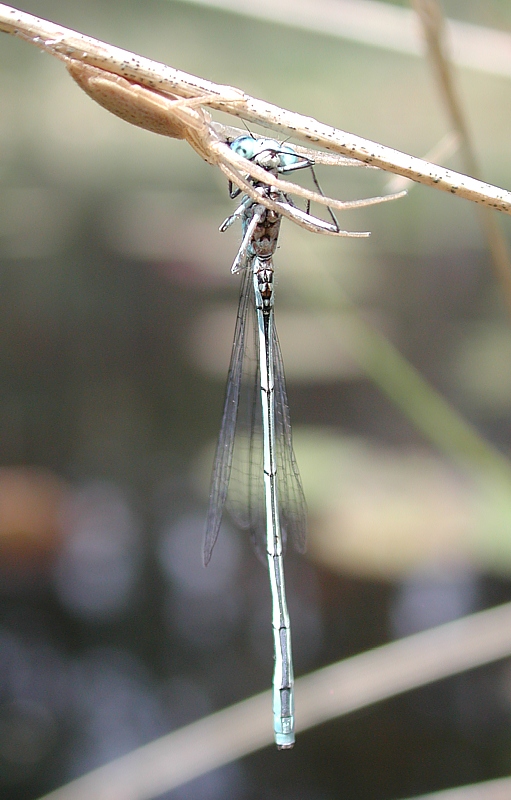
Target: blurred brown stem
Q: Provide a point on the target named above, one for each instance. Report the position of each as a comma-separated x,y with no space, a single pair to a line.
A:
433,24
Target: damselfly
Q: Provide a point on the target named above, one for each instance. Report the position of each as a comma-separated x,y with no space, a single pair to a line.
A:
268,497
269,501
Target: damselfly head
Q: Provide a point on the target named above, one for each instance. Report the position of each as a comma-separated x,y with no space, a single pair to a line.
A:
267,153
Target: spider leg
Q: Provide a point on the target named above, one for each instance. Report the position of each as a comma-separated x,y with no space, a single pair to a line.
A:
296,215
261,175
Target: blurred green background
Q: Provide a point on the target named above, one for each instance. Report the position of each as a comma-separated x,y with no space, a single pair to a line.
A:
117,310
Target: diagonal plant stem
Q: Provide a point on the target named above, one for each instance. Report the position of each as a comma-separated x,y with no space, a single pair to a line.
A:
433,24
499,789
64,42
433,415
430,412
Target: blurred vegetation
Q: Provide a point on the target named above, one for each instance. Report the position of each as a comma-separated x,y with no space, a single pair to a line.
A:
117,309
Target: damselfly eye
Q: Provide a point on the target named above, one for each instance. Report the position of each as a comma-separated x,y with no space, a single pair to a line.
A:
245,146
288,156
